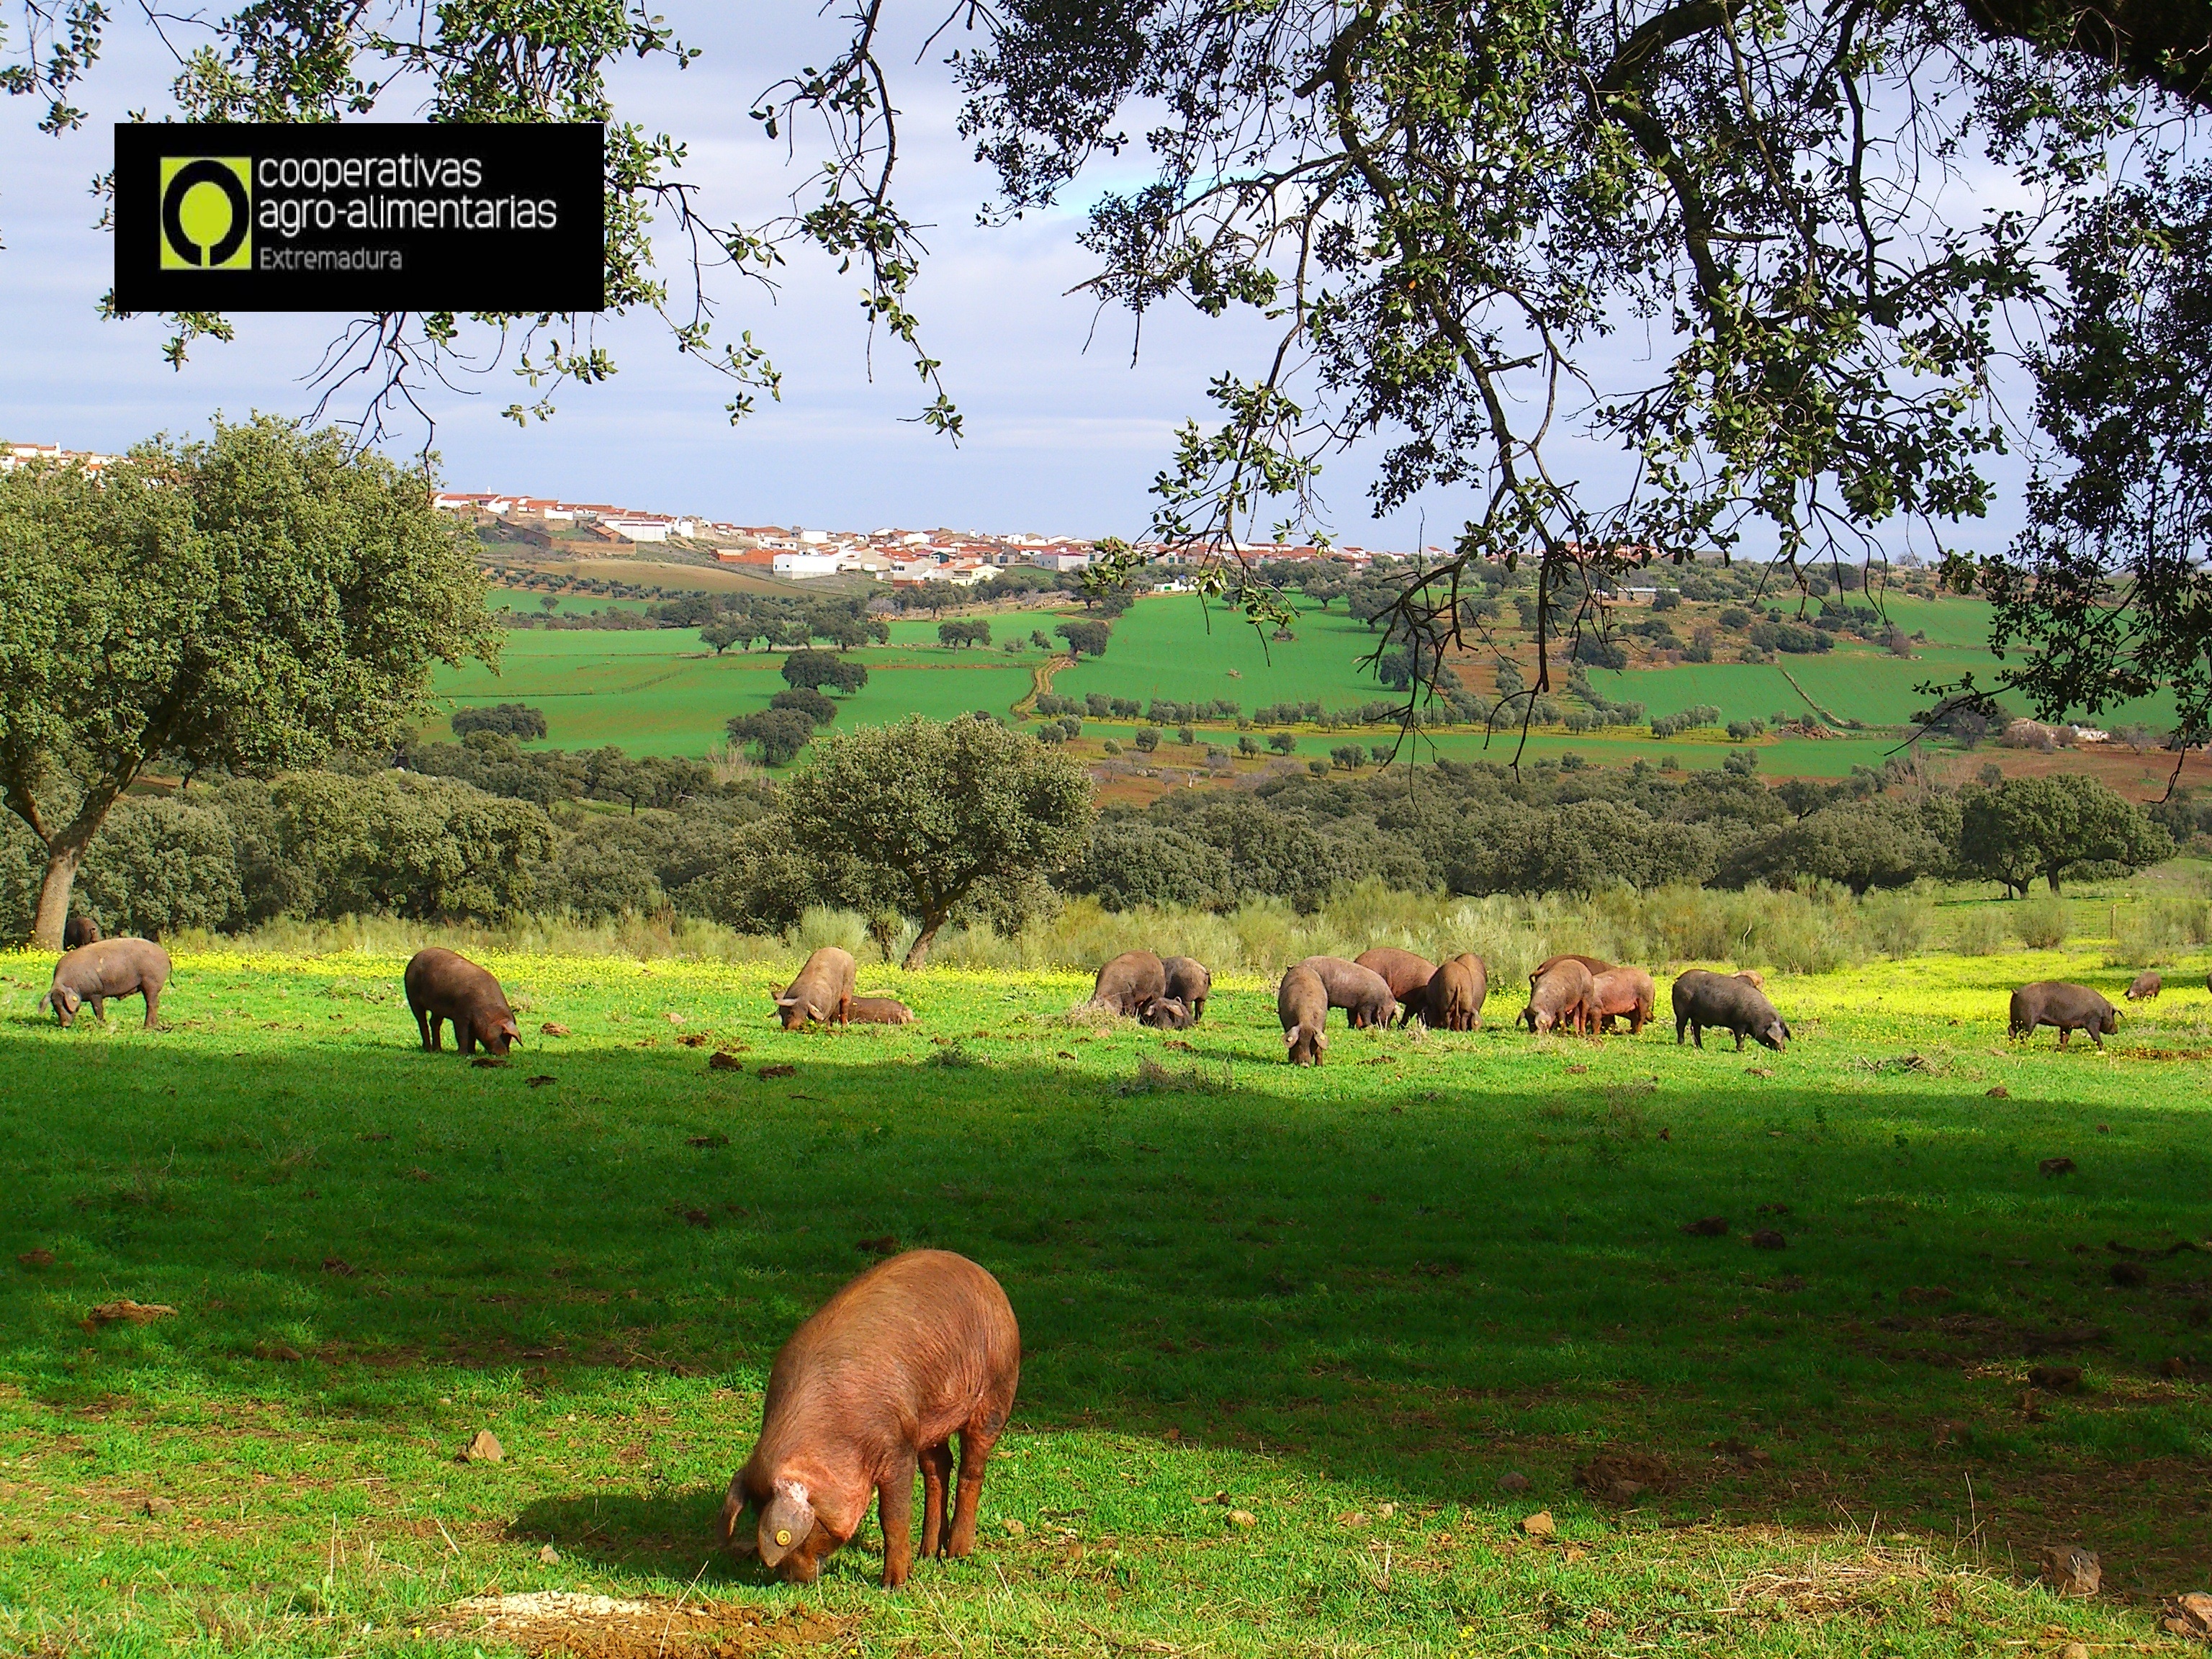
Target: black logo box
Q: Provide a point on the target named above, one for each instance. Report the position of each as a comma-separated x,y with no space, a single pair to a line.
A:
366,217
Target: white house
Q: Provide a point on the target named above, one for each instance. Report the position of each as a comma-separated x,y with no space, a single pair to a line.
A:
806,565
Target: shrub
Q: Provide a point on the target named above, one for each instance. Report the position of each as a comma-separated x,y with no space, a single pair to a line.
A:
1666,599
812,704
1899,923
511,720
1247,745
1186,735
1734,618
158,865
1282,742
778,734
1318,768
2039,924
1147,739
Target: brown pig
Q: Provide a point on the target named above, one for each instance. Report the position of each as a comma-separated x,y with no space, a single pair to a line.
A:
1617,992
110,968
1129,982
822,991
1557,997
443,985
1593,963
79,930
2146,985
1452,1000
1302,1004
1189,982
1362,993
879,1010
917,1349
1406,974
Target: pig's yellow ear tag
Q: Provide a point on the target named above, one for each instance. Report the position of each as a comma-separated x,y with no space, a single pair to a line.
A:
782,1536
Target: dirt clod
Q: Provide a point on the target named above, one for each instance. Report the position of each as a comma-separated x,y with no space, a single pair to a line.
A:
2056,1379
127,1311
1928,1293
39,1258
548,1556
485,1448
707,1141
540,1080
2054,1166
549,1028
488,1062
2129,1274
2000,1092
2190,1614
887,1245
340,1265
1711,1227
694,1039
2072,1571
158,1508
1513,1480
778,1071
723,1060
1540,1525
552,1623
1767,1239
1622,1476
1243,1518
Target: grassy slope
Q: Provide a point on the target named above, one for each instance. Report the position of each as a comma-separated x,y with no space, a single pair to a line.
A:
1323,1294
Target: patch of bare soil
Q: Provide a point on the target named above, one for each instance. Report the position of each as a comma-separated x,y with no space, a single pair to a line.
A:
556,1622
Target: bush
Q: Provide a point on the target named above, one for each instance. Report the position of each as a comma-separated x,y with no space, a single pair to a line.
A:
511,720
1979,930
1598,652
1147,739
2039,924
158,865
1899,923
1318,768
812,704
1186,735
1247,745
1666,599
1282,743
777,734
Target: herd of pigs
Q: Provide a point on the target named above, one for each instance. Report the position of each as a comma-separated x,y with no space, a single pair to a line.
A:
874,1386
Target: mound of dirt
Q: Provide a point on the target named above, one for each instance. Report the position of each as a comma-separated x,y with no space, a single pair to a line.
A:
1621,1476
550,1622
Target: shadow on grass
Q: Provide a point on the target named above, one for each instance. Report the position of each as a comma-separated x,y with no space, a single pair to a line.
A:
1419,1271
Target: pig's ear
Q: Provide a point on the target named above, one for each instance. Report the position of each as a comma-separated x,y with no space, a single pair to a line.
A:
1320,1039
732,1530
785,1523
1290,1037
785,1002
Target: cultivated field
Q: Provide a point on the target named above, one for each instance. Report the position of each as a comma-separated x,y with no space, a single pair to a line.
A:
1286,1332
664,693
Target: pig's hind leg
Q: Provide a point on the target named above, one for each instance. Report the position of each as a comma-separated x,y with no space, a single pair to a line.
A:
976,1439
895,1509
936,1478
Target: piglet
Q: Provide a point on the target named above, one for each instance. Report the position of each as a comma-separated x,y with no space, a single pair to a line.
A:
917,1349
111,968
443,985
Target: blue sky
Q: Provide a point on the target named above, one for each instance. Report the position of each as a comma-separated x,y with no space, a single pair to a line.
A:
1063,434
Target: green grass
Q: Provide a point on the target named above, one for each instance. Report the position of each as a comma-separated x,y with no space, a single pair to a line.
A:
1180,648
1349,1300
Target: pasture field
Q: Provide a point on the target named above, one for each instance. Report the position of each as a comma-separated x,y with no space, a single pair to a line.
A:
1285,1331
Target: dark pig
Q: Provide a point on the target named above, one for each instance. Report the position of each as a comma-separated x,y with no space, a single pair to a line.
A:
878,1011
1167,1014
1129,982
2146,985
107,967
1406,975
443,985
2071,1008
1621,992
917,1349
79,931
1302,1004
1189,982
1556,996
1362,993
822,991
1727,1002
1452,1000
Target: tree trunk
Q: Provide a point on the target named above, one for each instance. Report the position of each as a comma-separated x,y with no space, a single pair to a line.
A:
53,914
920,947
2051,875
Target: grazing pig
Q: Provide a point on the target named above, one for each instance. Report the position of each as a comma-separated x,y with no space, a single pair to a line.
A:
878,1011
1362,993
79,931
1452,1000
2071,1008
1167,1014
1129,982
1592,963
1556,997
1617,992
443,985
107,967
1406,974
1726,1002
917,1349
822,991
1188,982
1302,1004
2146,984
